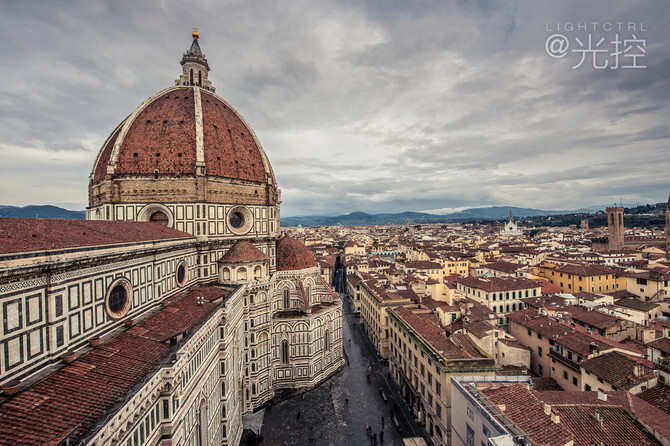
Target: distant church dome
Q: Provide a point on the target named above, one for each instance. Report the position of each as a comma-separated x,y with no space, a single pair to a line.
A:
293,255
189,136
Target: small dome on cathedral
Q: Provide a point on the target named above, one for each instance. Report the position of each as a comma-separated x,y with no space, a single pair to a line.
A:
293,255
243,251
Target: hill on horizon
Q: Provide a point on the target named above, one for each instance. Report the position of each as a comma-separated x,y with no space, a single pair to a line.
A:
40,211
491,213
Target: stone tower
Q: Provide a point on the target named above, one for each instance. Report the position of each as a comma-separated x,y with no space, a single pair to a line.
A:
667,229
615,228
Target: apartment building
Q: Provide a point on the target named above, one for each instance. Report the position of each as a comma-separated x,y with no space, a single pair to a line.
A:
502,295
423,358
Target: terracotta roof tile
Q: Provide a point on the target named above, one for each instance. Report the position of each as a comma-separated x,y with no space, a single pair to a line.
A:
617,369
19,235
77,395
658,396
293,255
243,251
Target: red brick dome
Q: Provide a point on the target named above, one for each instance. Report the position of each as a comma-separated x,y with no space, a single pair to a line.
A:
179,131
293,255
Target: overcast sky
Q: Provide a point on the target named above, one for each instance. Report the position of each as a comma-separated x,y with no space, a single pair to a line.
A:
378,106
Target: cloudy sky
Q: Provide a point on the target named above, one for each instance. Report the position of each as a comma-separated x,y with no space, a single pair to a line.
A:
377,106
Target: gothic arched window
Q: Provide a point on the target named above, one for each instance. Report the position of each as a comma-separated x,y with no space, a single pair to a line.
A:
284,352
287,299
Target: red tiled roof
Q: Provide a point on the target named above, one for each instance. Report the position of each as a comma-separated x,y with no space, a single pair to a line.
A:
243,251
428,326
658,396
293,255
593,318
526,411
423,264
74,397
539,323
662,344
505,267
587,270
581,343
163,136
230,148
617,369
38,234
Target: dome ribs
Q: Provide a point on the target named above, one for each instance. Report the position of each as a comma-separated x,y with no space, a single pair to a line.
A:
105,154
230,149
162,136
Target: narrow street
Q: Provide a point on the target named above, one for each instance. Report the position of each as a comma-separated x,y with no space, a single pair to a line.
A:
337,412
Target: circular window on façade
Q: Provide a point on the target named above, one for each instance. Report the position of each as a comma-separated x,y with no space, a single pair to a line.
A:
240,220
119,298
181,275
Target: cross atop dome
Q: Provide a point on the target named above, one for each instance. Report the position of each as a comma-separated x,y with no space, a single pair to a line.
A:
195,68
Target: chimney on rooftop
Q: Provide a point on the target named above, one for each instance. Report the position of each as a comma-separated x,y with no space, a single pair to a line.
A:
602,396
547,409
555,417
501,407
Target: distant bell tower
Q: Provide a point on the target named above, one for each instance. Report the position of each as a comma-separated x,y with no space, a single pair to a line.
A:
667,229
615,228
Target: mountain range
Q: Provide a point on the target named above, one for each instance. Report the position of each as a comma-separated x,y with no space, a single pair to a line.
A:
359,218
481,213
45,211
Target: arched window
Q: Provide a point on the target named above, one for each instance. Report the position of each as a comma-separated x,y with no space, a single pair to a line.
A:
159,217
284,352
494,309
241,274
326,340
191,76
308,293
199,78
202,423
287,299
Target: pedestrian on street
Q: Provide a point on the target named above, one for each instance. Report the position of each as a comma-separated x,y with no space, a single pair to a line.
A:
346,401
381,437
382,421
374,438
298,416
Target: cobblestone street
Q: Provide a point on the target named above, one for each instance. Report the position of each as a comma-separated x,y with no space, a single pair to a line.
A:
337,412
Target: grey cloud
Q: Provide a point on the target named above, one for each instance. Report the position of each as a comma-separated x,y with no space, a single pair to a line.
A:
384,106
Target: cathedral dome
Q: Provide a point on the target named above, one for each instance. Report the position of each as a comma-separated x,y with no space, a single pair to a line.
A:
179,130
293,255
190,136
